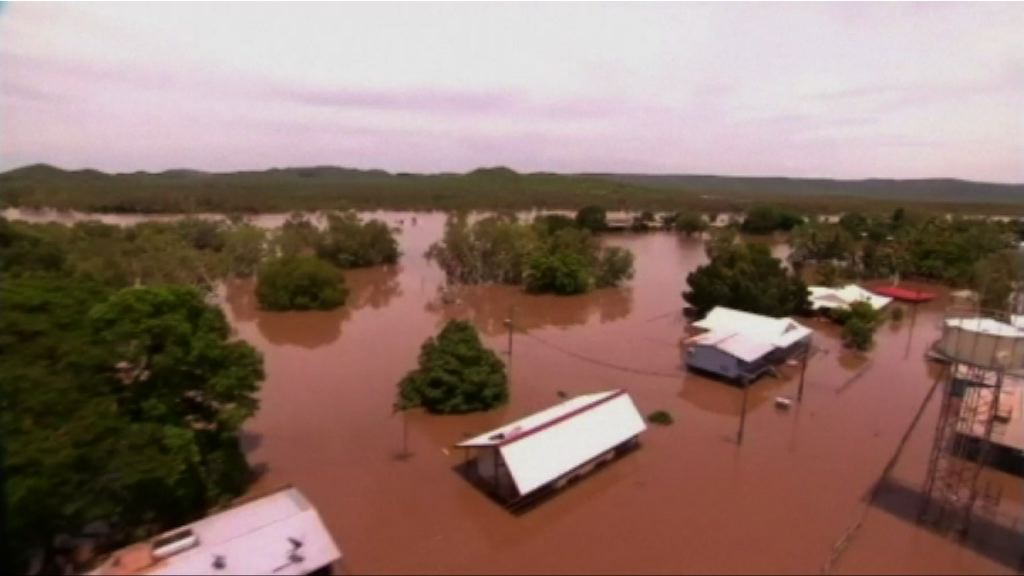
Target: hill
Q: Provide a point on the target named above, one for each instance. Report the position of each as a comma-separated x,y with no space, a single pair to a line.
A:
497,188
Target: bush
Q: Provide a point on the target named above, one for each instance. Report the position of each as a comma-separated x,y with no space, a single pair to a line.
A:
593,218
300,283
660,417
562,273
860,325
456,374
349,243
897,314
768,219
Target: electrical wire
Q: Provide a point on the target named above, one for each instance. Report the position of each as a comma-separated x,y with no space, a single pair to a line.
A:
603,363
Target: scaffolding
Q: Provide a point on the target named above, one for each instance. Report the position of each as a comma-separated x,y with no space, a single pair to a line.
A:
980,354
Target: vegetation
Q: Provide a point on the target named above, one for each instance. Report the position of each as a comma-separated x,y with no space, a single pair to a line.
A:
332,188
910,245
745,277
593,218
548,256
660,417
897,314
859,325
690,223
456,374
300,283
764,219
120,407
349,243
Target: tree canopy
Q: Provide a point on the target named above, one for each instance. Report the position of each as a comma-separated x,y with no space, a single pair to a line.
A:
548,256
456,374
593,218
764,219
300,283
128,409
746,277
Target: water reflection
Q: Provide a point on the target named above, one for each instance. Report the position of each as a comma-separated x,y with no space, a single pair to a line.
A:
371,288
487,307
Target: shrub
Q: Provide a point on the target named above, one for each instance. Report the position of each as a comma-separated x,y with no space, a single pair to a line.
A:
660,417
300,283
593,218
456,374
860,325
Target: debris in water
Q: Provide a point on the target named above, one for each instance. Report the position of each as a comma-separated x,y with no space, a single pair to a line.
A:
783,403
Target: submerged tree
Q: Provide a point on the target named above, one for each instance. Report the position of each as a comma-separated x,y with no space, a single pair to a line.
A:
300,283
593,218
456,374
746,277
349,243
859,325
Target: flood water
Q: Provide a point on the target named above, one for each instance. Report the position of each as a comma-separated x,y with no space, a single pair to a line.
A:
689,500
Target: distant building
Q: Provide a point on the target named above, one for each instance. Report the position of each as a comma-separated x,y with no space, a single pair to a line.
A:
280,533
741,346
826,298
549,449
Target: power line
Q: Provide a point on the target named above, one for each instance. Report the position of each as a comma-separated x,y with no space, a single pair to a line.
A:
603,363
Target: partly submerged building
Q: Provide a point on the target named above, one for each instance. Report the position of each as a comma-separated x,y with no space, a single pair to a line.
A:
549,449
280,533
742,346
824,298
981,341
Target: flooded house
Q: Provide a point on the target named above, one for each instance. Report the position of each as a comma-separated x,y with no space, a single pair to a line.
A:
279,533
551,448
742,346
825,298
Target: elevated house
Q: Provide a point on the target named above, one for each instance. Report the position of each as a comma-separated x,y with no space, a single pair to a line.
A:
824,298
280,533
741,346
548,449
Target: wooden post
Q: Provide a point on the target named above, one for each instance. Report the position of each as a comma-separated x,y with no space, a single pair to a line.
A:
510,324
743,411
803,372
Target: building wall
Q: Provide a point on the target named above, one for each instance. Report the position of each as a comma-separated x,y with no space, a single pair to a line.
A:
713,360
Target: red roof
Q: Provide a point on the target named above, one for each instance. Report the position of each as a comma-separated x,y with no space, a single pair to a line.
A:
905,294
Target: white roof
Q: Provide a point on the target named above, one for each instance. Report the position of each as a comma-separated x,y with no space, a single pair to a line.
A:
542,447
735,344
826,297
985,326
779,332
251,538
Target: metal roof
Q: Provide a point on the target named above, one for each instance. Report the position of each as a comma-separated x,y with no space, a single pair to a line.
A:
735,344
280,533
826,297
779,332
542,447
987,326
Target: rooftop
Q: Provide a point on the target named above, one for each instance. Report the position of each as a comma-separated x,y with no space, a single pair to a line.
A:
280,533
779,332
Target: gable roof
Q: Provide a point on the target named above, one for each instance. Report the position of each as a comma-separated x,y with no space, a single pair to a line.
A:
543,446
735,344
826,297
779,332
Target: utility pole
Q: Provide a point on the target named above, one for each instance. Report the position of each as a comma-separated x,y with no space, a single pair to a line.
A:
803,371
510,324
743,411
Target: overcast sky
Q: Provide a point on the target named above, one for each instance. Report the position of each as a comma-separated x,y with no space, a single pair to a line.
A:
847,91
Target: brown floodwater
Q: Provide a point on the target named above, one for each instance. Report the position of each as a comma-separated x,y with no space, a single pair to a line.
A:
689,500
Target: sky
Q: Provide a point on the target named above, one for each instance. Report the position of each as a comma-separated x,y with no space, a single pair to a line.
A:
805,90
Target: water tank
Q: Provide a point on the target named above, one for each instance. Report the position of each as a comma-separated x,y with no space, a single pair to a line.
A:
983,342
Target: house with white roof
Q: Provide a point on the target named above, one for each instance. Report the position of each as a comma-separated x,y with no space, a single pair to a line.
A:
742,346
555,446
824,298
279,533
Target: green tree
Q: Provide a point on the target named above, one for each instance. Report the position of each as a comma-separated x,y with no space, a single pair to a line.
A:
614,267
690,223
593,218
300,283
456,374
350,243
859,325
562,272
128,409
746,277
245,246
995,278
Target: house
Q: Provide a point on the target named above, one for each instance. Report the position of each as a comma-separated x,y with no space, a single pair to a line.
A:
553,447
279,533
824,298
742,346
